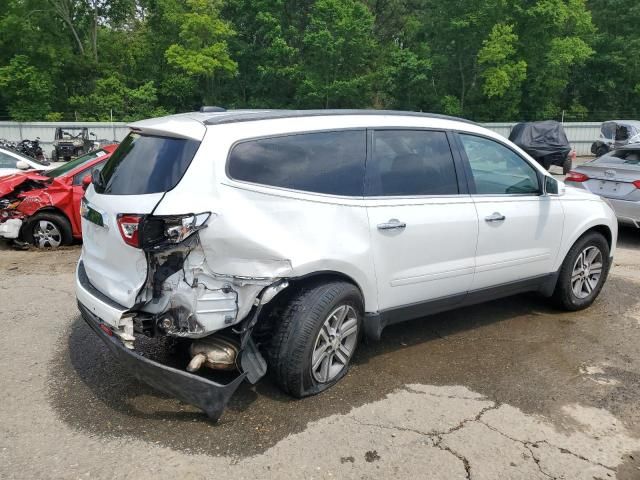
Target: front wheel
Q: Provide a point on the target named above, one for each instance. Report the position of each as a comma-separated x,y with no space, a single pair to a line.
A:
47,230
316,338
583,272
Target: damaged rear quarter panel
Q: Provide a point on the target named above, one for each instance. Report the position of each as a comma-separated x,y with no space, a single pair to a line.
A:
267,232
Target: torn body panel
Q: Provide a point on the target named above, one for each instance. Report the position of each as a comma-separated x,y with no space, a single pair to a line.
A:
190,300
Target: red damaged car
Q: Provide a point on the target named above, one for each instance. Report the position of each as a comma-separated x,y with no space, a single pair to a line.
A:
43,207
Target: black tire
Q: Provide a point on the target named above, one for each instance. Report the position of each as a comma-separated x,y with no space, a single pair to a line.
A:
567,166
59,221
66,159
292,345
54,155
601,150
564,296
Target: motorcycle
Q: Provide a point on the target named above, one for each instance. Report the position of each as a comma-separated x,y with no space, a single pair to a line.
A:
31,148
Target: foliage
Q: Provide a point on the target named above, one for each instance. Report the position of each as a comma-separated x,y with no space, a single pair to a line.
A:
489,60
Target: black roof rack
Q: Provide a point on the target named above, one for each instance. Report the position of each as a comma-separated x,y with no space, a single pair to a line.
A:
233,116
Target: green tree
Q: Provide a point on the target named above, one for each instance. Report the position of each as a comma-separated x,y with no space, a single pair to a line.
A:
502,72
202,49
26,90
111,95
337,55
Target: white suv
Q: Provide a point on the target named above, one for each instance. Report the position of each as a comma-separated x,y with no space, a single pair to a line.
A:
279,238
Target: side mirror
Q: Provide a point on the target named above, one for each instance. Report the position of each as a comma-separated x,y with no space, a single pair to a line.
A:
22,165
553,186
86,181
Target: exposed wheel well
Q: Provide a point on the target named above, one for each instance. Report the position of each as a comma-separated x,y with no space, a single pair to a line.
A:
48,209
269,313
604,231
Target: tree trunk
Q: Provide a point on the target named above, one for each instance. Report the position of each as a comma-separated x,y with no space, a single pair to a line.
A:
63,9
94,32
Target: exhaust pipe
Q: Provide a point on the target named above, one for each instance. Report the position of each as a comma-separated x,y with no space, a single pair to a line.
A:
217,353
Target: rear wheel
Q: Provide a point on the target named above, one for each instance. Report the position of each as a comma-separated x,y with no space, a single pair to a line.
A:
583,272
566,166
54,155
316,338
48,230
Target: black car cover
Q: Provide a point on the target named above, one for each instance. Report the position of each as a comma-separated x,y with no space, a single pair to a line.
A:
545,141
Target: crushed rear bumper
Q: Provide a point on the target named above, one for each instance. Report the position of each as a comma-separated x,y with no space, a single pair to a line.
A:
209,396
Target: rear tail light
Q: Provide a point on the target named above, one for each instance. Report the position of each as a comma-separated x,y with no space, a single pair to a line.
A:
129,226
576,177
636,184
158,232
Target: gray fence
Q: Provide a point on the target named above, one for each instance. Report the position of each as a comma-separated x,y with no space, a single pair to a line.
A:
16,131
581,135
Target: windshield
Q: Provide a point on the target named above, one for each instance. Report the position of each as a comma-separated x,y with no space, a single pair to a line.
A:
620,157
71,133
146,164
73,164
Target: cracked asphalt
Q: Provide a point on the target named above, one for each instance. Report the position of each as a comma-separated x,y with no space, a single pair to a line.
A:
509,389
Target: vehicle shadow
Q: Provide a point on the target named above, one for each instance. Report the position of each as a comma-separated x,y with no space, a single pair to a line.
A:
468,346
629,237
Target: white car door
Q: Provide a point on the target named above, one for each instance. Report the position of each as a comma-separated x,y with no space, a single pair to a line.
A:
520,229
423,224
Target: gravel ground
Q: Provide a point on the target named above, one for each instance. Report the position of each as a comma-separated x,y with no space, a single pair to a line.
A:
508,389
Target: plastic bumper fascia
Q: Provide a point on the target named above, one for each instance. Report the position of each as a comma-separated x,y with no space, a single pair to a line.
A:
209,396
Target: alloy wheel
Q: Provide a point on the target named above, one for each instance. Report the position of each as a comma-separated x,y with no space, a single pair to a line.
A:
47,234
587,271
335,344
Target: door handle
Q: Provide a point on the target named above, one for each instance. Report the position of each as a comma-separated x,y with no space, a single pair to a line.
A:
495,217
393,224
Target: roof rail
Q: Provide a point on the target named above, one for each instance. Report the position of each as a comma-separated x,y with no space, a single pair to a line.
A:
233,116
211,108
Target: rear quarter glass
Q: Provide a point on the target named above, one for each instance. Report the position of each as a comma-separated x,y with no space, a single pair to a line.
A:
145,164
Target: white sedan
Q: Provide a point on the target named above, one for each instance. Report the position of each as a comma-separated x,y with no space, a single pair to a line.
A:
13,162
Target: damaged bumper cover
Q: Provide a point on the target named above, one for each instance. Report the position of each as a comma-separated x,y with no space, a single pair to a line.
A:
106,318
10,228
209,396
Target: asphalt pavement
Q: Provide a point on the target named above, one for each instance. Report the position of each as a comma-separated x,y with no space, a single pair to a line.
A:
508,389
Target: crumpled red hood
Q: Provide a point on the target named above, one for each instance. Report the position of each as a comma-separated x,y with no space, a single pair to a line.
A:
8,183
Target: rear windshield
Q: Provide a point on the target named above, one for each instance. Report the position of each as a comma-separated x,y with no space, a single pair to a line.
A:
73,164
146,164
620,157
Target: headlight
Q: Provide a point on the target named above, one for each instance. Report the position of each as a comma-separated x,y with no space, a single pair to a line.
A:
10,204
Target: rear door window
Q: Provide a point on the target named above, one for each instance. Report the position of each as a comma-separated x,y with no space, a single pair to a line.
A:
411,162
145,164
320,162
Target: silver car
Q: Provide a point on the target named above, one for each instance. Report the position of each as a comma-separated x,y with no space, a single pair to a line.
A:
615,176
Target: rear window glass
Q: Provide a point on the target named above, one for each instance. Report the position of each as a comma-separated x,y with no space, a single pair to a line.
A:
73,164
146,164
322,162
620,157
